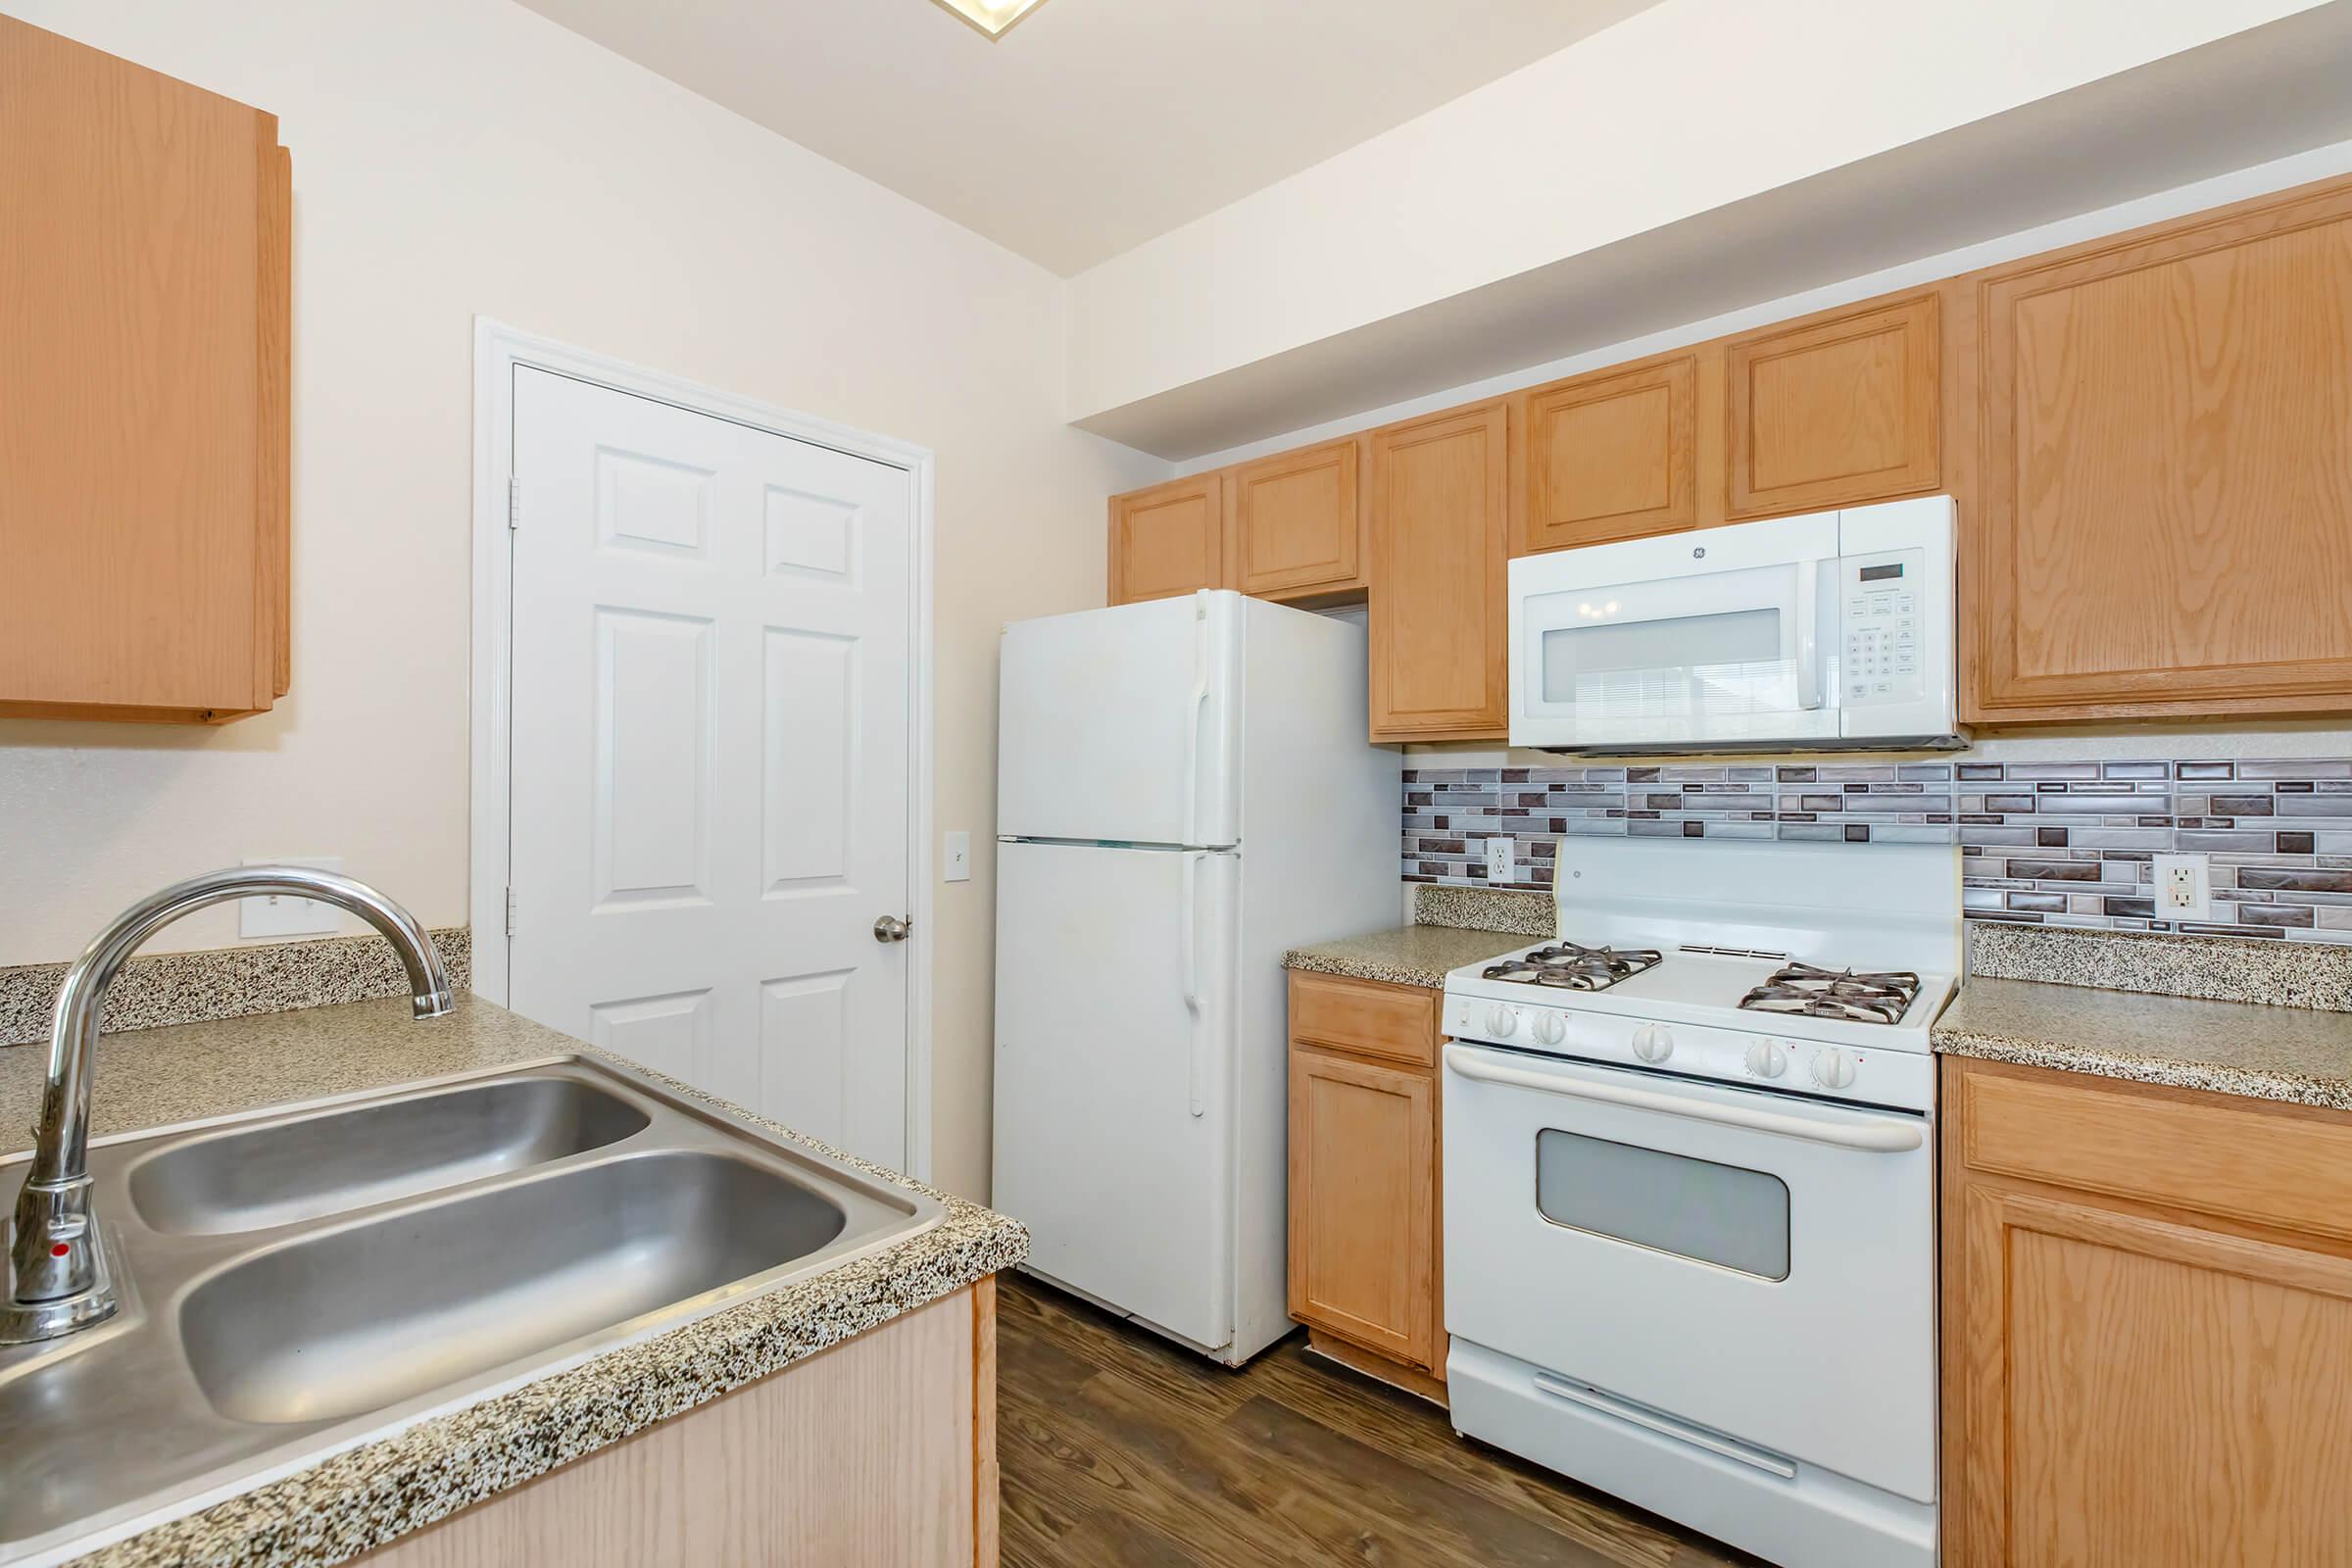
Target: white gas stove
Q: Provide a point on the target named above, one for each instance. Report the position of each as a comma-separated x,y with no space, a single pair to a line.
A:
1718,1087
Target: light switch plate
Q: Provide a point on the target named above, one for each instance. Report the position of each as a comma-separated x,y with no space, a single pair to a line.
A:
955,858
280,916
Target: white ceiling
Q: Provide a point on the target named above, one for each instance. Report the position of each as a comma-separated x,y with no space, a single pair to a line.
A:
1095,124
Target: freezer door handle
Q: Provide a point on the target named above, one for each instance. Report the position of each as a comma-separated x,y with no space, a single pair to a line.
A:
1188,915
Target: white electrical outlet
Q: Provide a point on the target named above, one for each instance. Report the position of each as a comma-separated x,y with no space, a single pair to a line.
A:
1498,861
2184,887
955,858
280,916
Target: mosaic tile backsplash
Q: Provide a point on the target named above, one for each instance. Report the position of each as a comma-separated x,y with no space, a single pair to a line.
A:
2055,843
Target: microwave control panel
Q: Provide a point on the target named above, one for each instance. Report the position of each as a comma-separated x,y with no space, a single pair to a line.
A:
1879,604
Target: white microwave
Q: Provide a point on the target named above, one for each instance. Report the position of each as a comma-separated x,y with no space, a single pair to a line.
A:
1828,631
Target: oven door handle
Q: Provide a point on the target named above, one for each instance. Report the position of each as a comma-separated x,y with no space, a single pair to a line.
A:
1874,1136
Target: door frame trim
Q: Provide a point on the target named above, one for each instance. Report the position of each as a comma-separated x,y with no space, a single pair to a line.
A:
498,351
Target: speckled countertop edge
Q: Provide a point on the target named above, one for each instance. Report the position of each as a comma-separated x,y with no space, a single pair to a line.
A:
2293,1054
365,1497
1407,955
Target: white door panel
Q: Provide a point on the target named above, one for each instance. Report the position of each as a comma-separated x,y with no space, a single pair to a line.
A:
1117,724
712,672
1125,1189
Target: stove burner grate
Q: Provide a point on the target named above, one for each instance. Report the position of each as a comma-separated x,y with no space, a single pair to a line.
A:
1569,966
1817,993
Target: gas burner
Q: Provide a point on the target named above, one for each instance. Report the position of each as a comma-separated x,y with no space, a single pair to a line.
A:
1818,993
1570,967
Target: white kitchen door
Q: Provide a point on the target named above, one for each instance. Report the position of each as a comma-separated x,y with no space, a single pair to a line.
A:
712,676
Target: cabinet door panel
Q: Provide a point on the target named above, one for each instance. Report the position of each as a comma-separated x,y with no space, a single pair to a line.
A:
1610,456
1440,540
1836,412
2168,471
1363,1204
1298,526
144,529
2146,1394
1167,540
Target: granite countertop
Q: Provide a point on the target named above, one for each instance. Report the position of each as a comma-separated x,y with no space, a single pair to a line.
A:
2299,1054
1409,955
362,1497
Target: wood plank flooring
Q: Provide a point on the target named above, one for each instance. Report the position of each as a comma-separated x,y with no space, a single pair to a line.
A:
1118,1449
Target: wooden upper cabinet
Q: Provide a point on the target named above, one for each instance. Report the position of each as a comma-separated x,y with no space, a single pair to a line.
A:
1834,410
2165,521
1168,540
144,327
1613,455
1439,539
1297,521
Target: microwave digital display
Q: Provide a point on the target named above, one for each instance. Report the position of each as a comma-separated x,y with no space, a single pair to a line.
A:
1882,573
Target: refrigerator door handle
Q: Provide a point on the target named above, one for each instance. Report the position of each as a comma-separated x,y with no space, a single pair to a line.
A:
1187,915
1193,706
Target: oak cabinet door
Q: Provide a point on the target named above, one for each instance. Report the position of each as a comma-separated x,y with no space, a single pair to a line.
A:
1609,456
1168,540
2147,1395
1363,1204
1298,524
1835,410
2166,463
144,317
1439,541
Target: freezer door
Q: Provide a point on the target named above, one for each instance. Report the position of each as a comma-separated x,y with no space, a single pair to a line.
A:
1119,723
1112,1083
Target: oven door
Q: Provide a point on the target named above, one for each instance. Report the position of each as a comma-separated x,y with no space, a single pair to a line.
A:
1722,636
1750,1272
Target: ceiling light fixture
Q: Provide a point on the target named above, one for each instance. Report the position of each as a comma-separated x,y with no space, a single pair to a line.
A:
994,18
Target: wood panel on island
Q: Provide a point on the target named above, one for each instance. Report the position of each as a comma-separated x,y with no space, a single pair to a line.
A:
2147,437
145,524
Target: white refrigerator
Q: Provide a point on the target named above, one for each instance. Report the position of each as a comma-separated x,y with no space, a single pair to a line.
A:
1184,791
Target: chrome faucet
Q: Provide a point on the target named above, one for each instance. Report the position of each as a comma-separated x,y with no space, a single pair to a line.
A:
59,1280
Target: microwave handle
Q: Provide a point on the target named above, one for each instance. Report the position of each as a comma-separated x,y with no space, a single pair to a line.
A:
1808,634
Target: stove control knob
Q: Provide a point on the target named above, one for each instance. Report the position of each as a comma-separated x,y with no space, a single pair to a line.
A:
1767,1059
1503,1022
1833,1068
1551,1028
1653,1043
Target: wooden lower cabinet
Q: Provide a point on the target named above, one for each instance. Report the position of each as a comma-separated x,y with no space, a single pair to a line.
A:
2153,1381
1365,1249
877,1453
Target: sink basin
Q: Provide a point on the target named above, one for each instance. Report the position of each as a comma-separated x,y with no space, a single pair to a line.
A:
373,1313
330,1161
302,1278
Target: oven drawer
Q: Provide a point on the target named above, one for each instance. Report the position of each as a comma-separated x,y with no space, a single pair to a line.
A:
1759,1264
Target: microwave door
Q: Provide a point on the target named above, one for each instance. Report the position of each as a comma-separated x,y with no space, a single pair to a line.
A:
1724,656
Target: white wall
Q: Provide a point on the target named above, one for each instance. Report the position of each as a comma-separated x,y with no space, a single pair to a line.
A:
456,157
1684,109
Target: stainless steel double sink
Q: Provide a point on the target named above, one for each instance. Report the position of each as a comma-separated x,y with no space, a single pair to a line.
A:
300,1278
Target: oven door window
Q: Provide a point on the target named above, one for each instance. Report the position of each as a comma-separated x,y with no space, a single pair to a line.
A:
1696,1208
